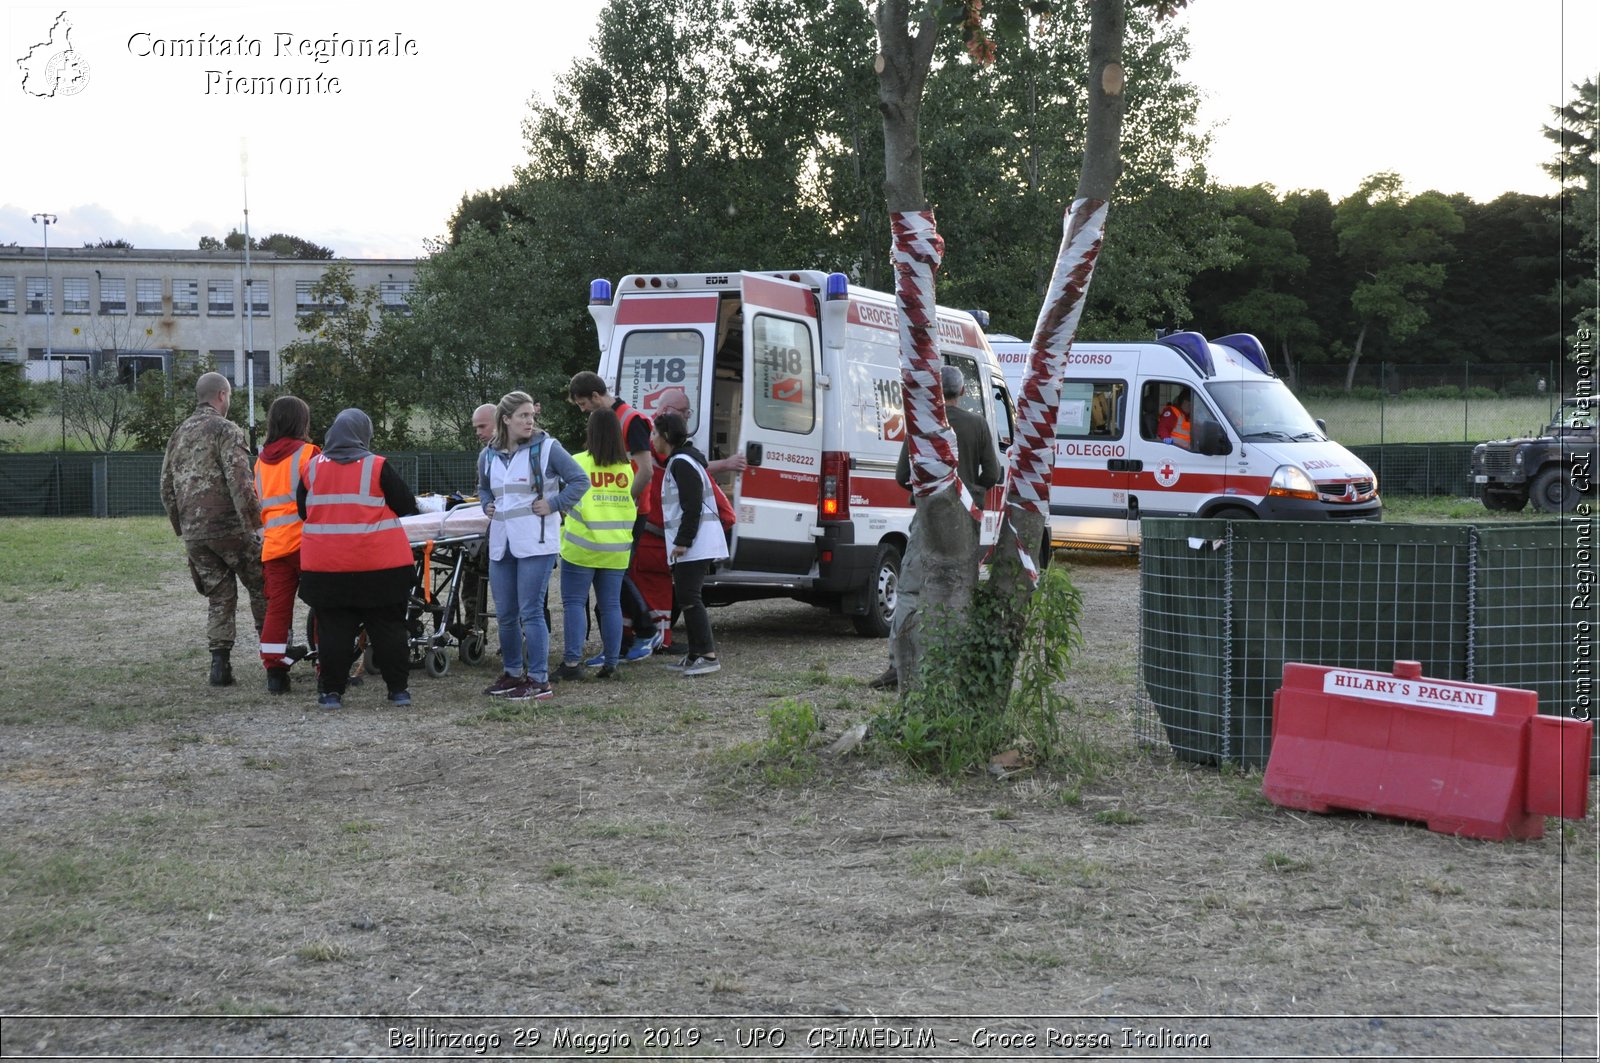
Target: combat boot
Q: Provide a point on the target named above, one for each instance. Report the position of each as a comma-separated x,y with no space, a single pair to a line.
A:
221,669
277,680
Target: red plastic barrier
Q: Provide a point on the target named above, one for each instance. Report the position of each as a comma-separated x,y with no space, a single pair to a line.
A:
1463,758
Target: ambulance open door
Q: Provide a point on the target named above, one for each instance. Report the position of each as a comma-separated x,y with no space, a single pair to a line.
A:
780,428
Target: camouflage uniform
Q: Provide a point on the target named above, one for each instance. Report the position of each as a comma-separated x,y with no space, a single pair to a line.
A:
209,493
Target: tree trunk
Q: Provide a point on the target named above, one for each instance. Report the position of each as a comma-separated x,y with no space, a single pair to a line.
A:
1032,458
1355,356
938,575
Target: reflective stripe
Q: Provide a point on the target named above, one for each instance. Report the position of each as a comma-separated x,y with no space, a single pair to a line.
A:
338,500
350,529
274,647
608,525
280,517
605,548
283,521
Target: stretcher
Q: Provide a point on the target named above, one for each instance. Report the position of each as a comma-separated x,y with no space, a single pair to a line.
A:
449,601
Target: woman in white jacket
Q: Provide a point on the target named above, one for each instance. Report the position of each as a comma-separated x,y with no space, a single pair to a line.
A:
694,537
526,480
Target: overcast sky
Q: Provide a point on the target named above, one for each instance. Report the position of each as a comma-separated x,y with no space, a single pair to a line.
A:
1449,93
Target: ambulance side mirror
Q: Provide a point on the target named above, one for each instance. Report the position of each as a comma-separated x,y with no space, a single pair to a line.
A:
1211,439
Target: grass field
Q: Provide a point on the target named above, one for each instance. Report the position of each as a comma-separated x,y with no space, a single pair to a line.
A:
1357,422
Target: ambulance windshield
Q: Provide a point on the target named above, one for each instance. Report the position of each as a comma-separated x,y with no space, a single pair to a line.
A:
1264,410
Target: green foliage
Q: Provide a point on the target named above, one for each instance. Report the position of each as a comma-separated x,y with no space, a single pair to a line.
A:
1577,160
347,359
97,408
988,683
791,724
160,404
18,401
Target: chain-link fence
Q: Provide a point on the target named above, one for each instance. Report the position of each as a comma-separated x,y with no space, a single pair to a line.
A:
129,484
1392,402
1225,605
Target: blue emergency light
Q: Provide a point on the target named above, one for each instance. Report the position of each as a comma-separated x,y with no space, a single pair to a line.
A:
600,292
837,286
1192,346
1250,347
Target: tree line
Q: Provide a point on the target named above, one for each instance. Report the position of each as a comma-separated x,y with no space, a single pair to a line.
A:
723,135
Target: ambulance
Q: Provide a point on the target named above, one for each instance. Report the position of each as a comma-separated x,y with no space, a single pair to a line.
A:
1253,452
799,372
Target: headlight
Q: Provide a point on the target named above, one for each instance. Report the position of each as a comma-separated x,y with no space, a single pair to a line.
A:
1291,481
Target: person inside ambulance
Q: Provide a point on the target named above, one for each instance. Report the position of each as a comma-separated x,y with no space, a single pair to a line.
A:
1174,425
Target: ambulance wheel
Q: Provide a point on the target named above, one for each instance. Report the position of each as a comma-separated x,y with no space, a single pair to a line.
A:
874,623
1553,491
1233,513
472,648
437,663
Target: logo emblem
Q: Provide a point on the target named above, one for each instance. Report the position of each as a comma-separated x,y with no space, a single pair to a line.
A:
53,67
1166,474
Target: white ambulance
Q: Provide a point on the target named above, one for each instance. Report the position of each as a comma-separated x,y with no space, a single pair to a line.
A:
1252,450
800,372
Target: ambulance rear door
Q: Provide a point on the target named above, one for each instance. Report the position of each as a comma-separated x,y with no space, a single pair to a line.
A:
781,428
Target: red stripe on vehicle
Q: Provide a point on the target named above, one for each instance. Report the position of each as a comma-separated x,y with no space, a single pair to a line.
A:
787,298
666,309
759,484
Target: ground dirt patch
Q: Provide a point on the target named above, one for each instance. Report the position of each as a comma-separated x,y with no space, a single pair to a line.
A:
316,885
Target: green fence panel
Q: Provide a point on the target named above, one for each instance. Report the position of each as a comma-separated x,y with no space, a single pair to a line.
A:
1185,654
1534,624
128,483
1224,607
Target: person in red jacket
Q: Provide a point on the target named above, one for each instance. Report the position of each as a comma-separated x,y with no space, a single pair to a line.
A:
355,559
280,469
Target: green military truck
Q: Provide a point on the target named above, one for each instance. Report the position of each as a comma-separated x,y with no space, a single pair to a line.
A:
1553,470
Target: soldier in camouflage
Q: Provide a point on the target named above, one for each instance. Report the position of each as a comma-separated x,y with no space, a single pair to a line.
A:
209,493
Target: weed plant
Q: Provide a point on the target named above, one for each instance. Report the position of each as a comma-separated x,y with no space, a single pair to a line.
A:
989,682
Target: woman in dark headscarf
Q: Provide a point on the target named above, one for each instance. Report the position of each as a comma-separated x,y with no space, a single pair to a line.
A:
355,559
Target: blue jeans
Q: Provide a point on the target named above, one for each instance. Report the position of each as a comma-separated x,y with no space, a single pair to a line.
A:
575,581
518,584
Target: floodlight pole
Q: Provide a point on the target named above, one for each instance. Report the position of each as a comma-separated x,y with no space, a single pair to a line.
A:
249,303
44,221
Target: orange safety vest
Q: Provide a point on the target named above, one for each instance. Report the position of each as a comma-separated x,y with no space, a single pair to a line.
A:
1180,428
276,486
349,527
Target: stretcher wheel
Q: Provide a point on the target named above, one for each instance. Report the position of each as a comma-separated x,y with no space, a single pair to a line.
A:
472,648
437,663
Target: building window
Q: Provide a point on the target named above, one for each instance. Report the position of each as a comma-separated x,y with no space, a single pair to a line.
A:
395,296
185,298
75,295
113,296
39,295
147,297
8,295
219,298
305,303
257,294
222,362
9,356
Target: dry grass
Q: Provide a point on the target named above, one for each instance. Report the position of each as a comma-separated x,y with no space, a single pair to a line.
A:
173,849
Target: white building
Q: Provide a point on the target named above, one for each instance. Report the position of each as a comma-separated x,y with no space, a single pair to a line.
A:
142,309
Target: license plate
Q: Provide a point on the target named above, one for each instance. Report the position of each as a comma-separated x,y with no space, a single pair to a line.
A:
1480,479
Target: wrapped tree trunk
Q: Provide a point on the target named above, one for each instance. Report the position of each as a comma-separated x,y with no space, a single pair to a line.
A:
938,573
1032,456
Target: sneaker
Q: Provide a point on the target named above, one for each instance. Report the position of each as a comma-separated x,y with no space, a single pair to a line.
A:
702,666
331,702
596,661
539,691
608,672
657,641
399,697
678,664
889,680
638,652
568,671
504,685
